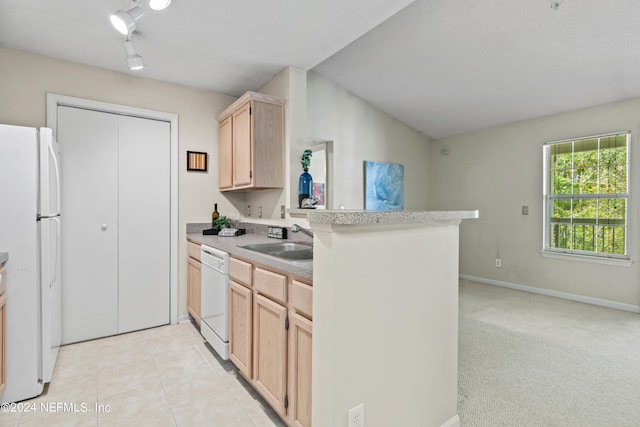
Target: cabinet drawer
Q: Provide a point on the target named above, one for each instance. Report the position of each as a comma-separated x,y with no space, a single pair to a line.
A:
240,271
270,284
302,297
193,250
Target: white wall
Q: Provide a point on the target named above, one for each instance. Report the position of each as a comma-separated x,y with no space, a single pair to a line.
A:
26,78
316,107
362,132
388,336
290,85
498,171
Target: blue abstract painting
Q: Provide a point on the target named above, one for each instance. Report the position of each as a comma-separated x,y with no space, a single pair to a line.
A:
384,186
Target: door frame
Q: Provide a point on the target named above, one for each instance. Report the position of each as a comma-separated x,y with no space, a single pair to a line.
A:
55,100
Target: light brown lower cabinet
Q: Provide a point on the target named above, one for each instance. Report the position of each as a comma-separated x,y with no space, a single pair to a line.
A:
299,392
194,277
241,327
270,337
270,351
3,342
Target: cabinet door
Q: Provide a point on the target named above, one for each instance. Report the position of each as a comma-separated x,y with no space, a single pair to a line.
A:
144,223
242,144
240,327
116,219
270,351
300,371
3,343
194,274
89,202
225,154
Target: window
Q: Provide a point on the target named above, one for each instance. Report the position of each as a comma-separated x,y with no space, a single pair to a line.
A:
586,196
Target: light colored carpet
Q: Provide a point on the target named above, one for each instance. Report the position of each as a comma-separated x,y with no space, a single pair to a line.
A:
532,360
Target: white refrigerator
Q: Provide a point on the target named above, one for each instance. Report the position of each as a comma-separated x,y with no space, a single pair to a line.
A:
30,233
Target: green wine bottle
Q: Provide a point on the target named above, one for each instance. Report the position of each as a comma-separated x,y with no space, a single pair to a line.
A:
214,215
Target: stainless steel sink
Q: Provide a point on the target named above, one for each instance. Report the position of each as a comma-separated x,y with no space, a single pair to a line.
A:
296,251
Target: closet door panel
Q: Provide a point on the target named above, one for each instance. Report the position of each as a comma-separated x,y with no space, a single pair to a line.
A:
89,216
144,223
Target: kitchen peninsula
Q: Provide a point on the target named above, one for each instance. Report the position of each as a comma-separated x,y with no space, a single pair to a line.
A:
385,316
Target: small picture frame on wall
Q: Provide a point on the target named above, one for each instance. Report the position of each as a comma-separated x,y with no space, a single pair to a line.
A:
196,161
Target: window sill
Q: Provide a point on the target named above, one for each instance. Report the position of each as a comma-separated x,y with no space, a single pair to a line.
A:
586,258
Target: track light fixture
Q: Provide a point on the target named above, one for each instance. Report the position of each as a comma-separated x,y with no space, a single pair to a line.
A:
134,61
125,22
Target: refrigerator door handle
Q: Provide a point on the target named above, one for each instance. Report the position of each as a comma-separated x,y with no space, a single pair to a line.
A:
41,217
56,219
57,174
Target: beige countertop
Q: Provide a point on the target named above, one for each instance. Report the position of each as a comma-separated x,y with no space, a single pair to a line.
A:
360,217
304,269
232,245
4,257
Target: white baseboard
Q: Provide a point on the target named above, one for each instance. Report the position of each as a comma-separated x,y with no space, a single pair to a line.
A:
452,422
183,319
557,294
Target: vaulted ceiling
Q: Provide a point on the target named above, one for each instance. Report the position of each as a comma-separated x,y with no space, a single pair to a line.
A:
443,67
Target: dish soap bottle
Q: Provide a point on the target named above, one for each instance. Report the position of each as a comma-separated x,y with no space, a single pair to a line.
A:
214,215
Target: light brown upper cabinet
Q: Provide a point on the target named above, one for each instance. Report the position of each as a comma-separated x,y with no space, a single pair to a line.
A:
251,143
225,154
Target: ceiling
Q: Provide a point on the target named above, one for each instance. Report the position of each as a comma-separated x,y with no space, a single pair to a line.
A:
443,67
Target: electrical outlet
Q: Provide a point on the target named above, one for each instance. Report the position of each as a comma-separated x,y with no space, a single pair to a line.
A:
248,210
259,211
498,263
282,211
356,416
525,210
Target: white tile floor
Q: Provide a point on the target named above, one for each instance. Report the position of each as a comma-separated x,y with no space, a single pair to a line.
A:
163,376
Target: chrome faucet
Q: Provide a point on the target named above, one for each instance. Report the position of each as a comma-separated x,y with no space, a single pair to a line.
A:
295,228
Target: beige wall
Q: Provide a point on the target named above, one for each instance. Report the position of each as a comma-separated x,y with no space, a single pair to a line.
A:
361,132
25,79
498,171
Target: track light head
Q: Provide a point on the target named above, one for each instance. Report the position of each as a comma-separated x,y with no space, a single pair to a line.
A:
134,61
125,22
159,4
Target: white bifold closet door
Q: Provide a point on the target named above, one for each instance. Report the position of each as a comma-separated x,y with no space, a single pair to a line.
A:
116,221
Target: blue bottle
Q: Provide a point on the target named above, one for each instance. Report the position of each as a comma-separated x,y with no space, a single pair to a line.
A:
305,187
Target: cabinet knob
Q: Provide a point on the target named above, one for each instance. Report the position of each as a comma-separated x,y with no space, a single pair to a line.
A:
103,227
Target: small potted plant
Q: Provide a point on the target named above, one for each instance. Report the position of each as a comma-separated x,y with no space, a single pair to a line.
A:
222,222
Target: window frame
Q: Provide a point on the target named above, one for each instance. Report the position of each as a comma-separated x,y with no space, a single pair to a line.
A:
549,198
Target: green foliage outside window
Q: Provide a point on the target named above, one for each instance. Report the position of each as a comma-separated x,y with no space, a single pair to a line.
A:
588,195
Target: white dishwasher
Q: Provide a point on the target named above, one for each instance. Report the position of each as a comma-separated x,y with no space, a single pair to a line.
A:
215,299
